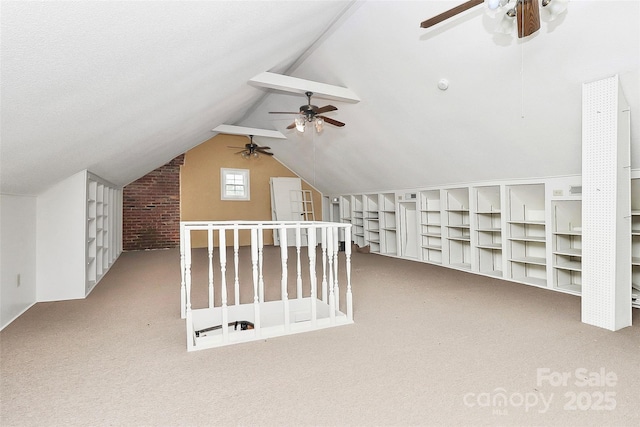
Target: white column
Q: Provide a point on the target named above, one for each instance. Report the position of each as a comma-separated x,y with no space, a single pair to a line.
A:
606,206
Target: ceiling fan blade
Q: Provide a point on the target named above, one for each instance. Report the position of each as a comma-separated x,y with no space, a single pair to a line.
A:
231,146
291,126
264,152
450,13
332,121
326,109
240,152
528,14
284,112
263,148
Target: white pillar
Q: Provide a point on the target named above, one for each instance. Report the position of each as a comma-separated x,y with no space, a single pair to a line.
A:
606,206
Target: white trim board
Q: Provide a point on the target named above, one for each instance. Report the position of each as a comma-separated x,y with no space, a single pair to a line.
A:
296,85
241,130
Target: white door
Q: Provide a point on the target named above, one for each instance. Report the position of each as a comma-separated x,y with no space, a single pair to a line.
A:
284,207
408,230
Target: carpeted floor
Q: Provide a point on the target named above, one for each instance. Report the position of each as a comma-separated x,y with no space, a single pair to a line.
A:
430,346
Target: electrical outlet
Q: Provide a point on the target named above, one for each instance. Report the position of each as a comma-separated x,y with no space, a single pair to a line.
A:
557,192
18,280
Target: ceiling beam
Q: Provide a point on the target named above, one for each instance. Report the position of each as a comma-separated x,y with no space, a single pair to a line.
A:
296,85
241,130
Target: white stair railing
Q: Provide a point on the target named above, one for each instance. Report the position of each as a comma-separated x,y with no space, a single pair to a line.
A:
214,326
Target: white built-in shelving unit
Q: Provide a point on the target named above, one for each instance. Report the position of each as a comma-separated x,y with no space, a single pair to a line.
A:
371,222
103,243
388,224
635,241
487,223
457,241
529,231
567,245
430,226
526,234
80,220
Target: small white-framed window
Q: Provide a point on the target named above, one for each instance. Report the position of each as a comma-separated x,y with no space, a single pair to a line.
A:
234,184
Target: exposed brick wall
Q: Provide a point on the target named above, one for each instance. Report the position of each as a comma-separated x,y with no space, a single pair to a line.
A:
151,209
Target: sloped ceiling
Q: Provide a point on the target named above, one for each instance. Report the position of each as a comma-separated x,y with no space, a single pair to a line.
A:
120,88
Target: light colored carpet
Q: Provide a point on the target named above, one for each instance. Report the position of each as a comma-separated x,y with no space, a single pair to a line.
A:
430,346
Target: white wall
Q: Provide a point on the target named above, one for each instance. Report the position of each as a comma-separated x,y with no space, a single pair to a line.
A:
61,228
17,256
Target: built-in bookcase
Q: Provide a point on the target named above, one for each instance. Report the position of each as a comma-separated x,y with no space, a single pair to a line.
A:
351,211
458,228
388,227
567,245
430,226
635,242
488,230
103,243
372,222
529,232
526,234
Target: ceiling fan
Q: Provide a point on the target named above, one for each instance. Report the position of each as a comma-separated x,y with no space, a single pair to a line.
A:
311,114
252,150
526,12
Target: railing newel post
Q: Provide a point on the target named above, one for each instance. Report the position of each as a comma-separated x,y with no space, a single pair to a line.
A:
222,244
236,281
347,251
324,263
183,291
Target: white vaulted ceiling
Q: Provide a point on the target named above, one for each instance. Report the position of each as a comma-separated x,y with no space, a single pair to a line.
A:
121,88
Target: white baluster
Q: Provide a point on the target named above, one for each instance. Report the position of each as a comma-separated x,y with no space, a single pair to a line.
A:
236,282
254,269
283,287
298,267
324,264
336,290
347,251
210,249
183,290
332,300
311,248
222,243
260,262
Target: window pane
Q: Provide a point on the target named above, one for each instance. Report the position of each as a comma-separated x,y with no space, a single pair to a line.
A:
234,184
